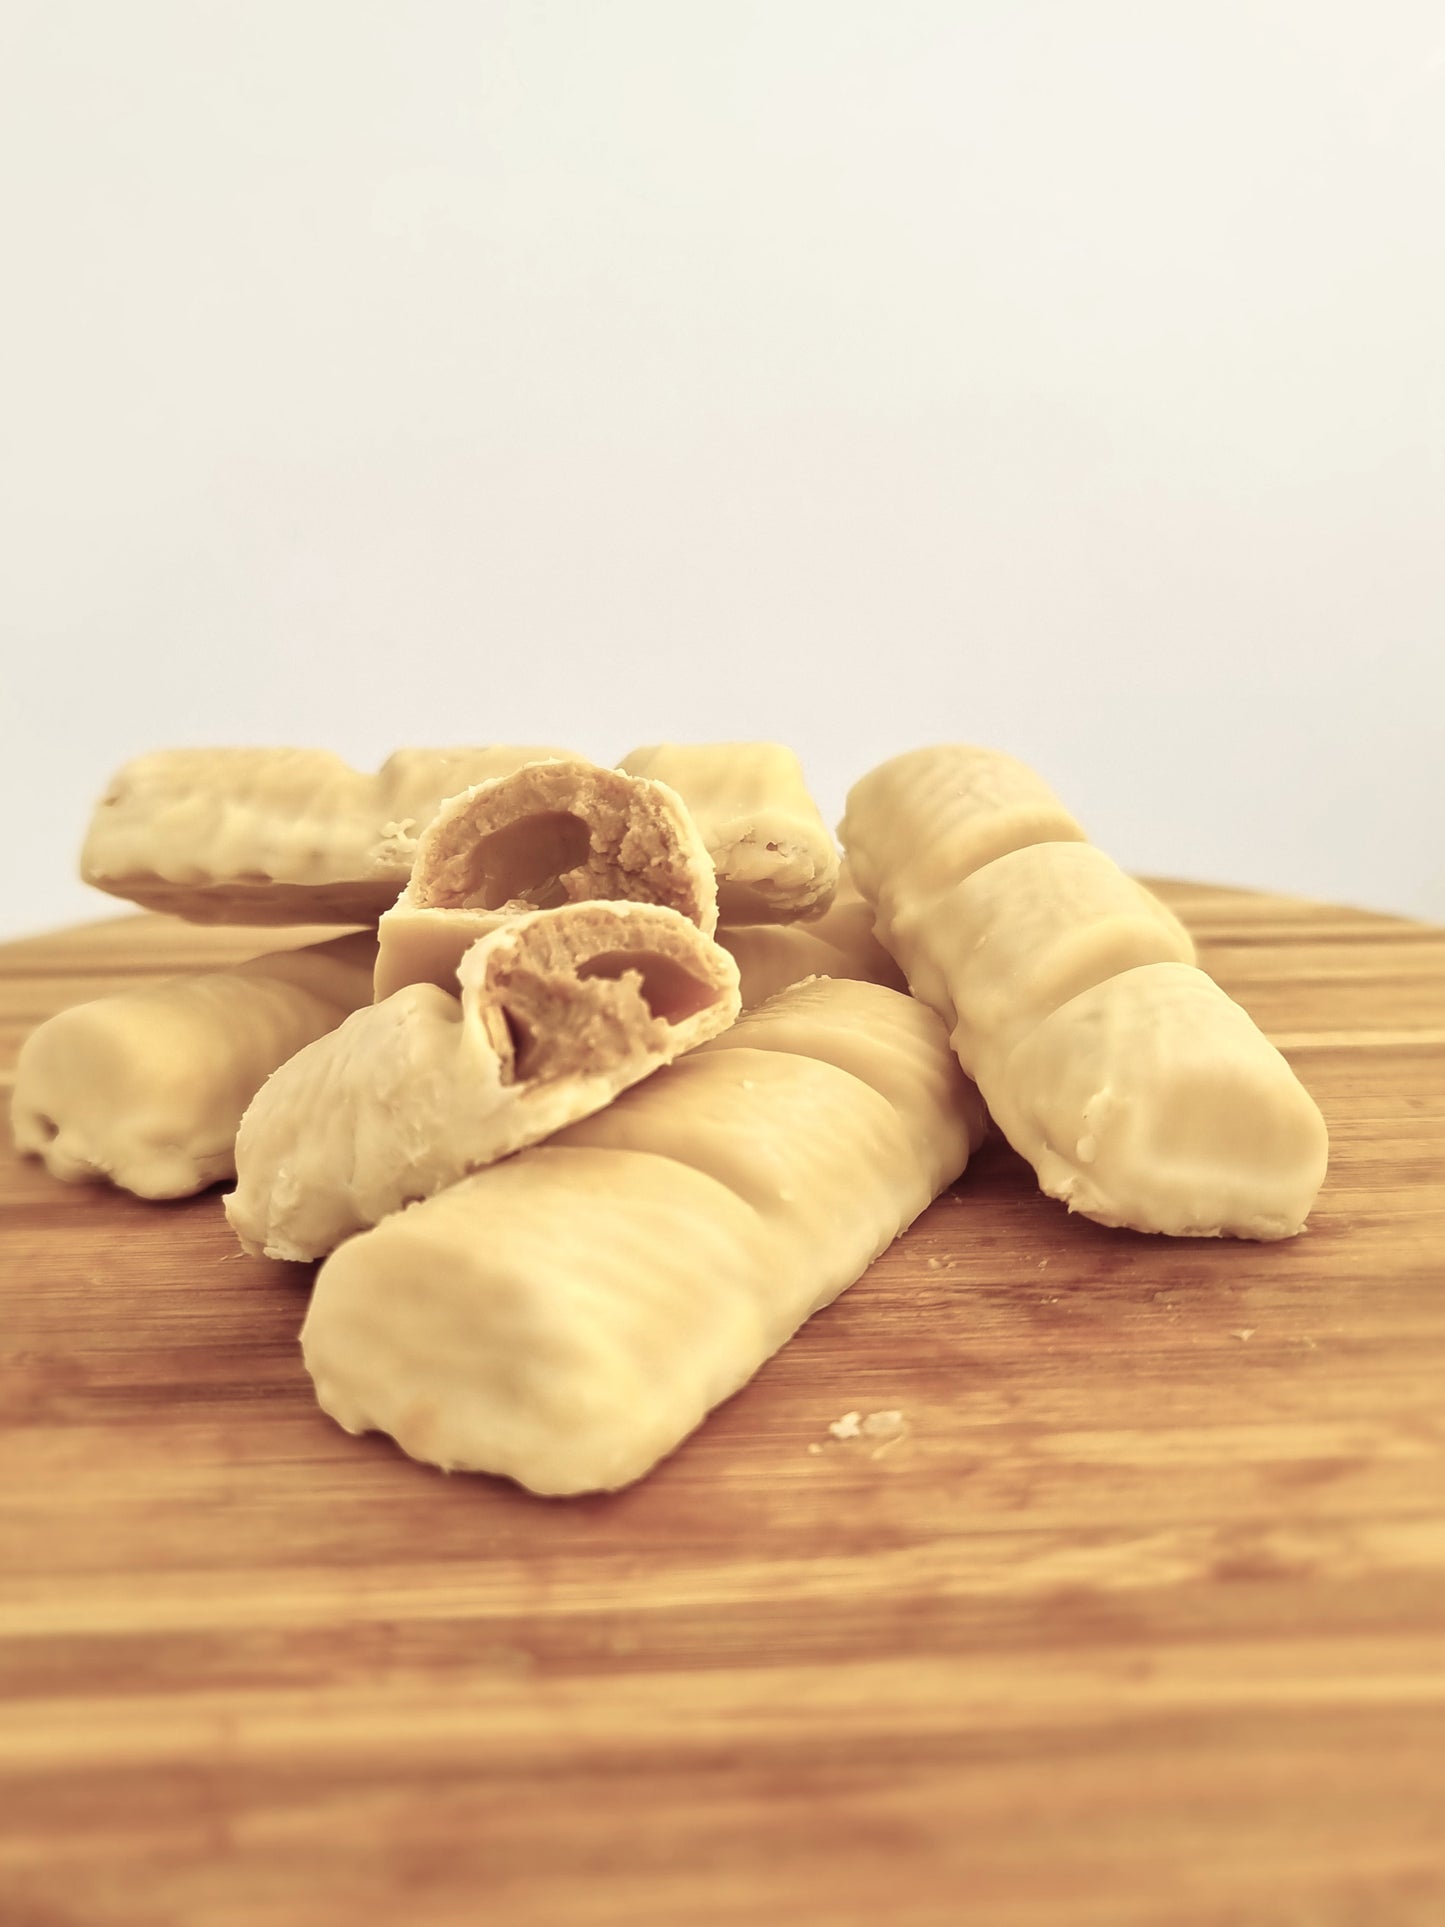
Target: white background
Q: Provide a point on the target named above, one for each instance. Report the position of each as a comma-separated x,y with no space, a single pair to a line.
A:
1067,377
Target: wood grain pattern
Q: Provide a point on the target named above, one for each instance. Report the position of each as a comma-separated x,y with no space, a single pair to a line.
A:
1142,1622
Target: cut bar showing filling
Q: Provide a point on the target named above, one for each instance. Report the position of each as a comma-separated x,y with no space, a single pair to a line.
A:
558,832
550,1016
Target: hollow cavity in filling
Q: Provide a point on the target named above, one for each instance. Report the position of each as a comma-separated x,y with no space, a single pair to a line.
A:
523,862
669,988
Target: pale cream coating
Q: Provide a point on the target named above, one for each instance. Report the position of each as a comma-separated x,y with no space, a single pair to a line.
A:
146,1089
1152,1100
564,831
775,857
921,821
1024,934
567,1317
274,835
1073,999
888,1041
840,943
558,1010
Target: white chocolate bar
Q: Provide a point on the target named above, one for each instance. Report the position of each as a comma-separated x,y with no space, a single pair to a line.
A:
1152,1100
567,1317
146,1088
883,1038
273,835
559,1010
774,856
1024,934
551,833
1139,1092
840,943
921,822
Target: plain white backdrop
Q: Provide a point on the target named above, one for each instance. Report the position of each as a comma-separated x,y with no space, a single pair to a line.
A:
1067,377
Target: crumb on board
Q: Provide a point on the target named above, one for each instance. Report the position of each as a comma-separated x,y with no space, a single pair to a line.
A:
1246,1332
881,1429
883,1425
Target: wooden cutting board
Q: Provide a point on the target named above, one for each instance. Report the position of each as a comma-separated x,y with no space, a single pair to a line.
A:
1143,1620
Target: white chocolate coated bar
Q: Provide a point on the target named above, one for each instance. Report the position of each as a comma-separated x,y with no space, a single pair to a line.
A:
273,835
146,1089
559,1010
1024,934
840,943
774,855
920,822
1072,998
567,1317
554,832
1153,1100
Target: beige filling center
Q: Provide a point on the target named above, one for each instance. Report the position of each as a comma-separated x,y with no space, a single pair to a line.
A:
555,1028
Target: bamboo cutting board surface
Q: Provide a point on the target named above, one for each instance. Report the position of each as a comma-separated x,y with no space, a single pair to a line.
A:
1141,1620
